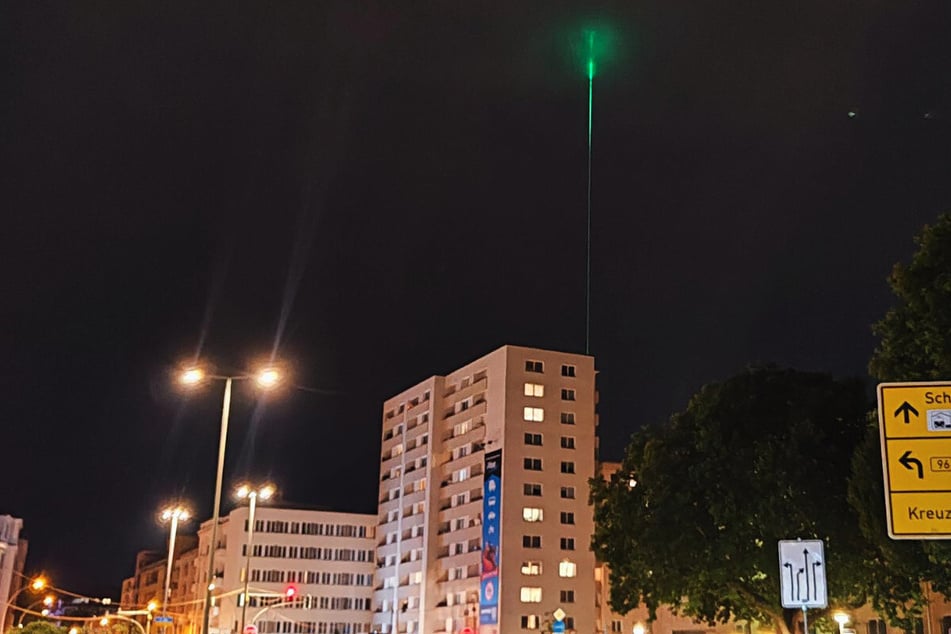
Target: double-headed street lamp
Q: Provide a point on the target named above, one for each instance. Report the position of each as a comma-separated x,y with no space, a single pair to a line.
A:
38,584
173,514
267,378
251,494
47,602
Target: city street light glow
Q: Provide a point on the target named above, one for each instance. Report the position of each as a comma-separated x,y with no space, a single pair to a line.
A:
48,600
151,606
192,376
268,378
177,512
103,621
266,492
841,618
38,584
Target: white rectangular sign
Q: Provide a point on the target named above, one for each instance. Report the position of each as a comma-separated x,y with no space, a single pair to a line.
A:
802,574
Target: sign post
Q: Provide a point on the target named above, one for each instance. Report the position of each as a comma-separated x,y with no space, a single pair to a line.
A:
802,576
915,429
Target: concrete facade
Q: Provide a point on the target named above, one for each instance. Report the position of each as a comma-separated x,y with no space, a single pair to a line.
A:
536,407
12,557
327,557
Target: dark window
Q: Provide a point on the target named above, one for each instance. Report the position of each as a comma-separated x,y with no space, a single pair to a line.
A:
532,489
567,596
876,626
567,518
567,370
567,442
533,439
567,467
534,366
531,541
567,418
567,543
569,493
569,622
533,464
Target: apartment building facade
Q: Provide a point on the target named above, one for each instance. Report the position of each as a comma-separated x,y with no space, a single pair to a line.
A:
484,520
326,559
12,558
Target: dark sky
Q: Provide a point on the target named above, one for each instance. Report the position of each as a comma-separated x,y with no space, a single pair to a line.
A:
379,192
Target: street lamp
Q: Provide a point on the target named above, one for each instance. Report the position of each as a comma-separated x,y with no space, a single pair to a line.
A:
251,494
841,618
173,514
267,378
47,602
639,628
37,585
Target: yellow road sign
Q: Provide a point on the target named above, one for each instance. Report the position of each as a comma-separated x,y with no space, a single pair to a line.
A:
915,427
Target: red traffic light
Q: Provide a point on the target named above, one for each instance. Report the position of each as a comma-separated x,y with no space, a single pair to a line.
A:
290,592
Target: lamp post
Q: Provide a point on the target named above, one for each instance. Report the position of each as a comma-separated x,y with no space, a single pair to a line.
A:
266,379
47,601
37,585
173,514
251,494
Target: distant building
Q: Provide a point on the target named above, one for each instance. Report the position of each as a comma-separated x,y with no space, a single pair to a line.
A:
484,514
325,556
147,584
12,559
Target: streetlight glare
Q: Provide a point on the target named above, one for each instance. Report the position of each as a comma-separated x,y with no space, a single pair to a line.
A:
103,621
268,378
267,492
243,491
38,584
841,618
151,606
48,600
192,376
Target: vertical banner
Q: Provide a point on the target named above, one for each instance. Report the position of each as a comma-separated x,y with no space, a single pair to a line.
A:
491,530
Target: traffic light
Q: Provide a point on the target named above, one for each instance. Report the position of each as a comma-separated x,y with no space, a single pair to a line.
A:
290,592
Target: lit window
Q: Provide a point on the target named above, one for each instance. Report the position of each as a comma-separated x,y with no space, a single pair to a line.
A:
531,621
567,517
534,414
531,568
567,418
567,569
531,541
531,514
534,389
567,442
530,488
533,439
530,595
532,464
534,366
568,493
567,395
567,370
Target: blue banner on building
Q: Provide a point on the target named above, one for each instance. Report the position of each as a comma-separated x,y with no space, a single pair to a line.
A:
491,529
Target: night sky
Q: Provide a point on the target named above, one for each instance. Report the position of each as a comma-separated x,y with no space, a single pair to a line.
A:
382,191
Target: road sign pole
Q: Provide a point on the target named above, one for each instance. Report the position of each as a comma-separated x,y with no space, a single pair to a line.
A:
805,620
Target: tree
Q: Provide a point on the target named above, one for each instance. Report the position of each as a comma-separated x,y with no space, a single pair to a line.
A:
915,344
38,627
760,457
915,334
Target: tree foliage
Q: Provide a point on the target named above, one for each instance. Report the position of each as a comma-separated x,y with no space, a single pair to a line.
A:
915,334
38,627
760,457
915,345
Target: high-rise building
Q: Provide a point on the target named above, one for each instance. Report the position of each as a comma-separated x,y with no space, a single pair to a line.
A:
484,515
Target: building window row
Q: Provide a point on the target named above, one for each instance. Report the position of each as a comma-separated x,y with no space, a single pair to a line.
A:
308,552
311,627
534,622
312,577
537,415
538,367
311,528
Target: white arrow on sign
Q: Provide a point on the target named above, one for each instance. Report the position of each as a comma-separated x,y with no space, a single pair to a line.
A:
802,574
